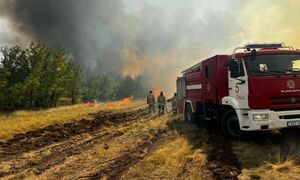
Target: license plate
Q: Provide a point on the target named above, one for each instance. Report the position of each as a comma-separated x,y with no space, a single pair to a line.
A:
293,123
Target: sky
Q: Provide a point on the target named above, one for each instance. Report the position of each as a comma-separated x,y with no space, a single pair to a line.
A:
155,38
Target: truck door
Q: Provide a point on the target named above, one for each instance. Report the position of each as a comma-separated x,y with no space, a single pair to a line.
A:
238,87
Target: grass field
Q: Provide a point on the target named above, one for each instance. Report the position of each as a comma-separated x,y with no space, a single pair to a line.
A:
119,140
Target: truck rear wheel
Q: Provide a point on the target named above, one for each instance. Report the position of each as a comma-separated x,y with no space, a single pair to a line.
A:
230,125
189,115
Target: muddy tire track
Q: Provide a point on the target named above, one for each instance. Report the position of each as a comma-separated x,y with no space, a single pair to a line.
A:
118,166
222,162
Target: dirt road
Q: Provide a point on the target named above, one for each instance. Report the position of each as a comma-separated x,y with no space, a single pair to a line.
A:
132,145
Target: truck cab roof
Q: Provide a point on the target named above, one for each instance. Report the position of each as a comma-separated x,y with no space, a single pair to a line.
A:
262,49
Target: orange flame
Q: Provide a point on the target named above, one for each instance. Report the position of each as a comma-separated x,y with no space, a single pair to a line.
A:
109,106
90,104
124,102
156,92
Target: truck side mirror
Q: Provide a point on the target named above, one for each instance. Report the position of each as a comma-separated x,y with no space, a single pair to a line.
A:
234,69
253,55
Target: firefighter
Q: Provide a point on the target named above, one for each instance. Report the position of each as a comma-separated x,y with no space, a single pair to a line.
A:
151,103
161,102
173,101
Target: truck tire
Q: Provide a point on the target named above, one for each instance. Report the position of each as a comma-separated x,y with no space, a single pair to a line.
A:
230,125
189,116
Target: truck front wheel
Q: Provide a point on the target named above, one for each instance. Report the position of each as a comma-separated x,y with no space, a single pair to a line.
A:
230,125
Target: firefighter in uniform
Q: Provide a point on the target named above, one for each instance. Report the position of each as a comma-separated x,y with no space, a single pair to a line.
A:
151,103
173,101
161,101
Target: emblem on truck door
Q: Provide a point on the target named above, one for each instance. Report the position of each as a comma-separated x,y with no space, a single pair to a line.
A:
290,84
208,87
293,99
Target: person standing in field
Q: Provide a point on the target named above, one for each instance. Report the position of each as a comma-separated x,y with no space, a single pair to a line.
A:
161,101
151,103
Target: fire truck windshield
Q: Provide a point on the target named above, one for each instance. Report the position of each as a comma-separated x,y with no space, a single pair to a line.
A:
276,64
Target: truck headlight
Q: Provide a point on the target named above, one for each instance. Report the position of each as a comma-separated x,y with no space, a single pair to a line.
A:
260,117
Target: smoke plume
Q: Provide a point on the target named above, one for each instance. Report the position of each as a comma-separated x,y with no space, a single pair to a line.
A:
157,39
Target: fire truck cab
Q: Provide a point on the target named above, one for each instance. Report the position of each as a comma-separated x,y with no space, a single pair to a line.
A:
257,87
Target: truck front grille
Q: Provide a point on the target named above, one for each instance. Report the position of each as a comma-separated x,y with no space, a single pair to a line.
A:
284,100
288,117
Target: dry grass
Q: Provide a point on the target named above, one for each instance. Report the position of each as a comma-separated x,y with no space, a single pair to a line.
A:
286,170
165,162
173,160
283,166
24,121
270,159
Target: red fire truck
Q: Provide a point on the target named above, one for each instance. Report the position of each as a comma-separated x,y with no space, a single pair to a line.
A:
257,87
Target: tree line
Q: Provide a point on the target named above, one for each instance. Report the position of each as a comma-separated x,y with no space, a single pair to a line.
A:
40,77
109,88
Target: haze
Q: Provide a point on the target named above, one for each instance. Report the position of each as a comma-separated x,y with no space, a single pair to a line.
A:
157,39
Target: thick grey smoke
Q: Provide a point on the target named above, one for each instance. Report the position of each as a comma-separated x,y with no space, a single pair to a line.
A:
83,28
154,38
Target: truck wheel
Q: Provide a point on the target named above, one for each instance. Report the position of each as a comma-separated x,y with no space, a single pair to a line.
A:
230,125
189,115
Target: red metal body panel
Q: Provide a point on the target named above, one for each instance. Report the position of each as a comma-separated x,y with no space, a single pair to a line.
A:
273,93
209,84
193,79
222,77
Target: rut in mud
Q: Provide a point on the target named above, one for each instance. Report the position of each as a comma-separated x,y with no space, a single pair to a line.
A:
37,139
222,162
118,166
59,153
